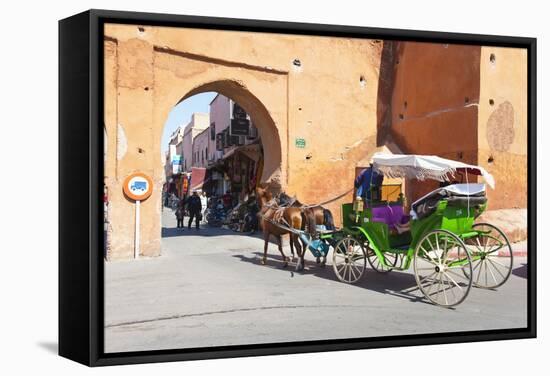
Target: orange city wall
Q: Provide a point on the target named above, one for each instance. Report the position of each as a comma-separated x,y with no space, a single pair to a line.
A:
457,102
329,99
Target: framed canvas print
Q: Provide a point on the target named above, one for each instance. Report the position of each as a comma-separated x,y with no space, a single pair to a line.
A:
239,187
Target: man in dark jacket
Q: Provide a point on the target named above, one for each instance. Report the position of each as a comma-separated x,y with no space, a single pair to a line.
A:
368,180
195,207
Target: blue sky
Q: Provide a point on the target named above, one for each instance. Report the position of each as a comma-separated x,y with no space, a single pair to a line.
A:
181,114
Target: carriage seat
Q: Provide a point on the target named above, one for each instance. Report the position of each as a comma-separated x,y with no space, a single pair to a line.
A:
456,194
391,214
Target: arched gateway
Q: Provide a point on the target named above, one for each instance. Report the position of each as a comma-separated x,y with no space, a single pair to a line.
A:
148,70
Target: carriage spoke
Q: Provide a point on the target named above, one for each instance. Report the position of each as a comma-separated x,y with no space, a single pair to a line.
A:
452,280
428,254
426,277
494,266
351,272
446,250
495,261
431,285
444,289
491,271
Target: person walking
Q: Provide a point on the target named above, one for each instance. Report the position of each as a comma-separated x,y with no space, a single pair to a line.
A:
194,206
204,204
180,213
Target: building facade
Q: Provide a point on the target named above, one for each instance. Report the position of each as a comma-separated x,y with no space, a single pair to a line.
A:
199,122
321,105
200,149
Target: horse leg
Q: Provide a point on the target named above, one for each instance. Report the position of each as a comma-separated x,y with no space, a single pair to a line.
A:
285,259
266,242
292,248
300,251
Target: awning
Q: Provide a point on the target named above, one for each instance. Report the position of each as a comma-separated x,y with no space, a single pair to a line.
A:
197,177
423,167
252,151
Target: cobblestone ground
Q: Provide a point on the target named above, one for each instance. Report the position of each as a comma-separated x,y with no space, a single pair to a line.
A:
209,289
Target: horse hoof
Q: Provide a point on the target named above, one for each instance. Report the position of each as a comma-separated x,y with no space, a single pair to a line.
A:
318,260
263,261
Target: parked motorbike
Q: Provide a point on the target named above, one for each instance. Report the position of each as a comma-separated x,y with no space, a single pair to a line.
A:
216,216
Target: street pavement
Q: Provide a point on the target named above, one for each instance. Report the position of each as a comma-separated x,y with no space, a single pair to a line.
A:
209,289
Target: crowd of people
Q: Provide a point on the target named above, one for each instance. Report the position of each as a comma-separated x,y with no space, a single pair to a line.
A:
214,210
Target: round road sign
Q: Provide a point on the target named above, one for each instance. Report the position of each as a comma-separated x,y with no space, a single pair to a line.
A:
138,186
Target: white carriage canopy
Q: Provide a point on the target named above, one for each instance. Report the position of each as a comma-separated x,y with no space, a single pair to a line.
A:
423,167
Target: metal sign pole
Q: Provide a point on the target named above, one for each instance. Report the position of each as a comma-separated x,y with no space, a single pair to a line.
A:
136,232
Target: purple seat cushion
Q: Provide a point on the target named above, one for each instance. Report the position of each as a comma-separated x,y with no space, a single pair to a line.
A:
389,214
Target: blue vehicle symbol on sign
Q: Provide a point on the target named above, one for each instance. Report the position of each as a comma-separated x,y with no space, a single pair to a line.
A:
139,186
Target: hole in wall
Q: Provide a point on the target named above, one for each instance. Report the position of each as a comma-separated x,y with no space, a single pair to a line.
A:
141,29
492,58
362,81
491,102
491,159
309,156
405,104
401,116
140,150
297,63
146,88
466,100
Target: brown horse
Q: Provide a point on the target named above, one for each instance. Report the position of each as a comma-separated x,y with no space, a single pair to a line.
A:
319,214
271,214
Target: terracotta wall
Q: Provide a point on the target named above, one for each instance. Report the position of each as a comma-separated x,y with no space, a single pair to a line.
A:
434,107
502,120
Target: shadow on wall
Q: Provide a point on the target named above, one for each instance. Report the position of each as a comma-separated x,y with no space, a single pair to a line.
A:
386,77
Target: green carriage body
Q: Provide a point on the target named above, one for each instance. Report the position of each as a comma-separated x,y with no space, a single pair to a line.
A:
457,218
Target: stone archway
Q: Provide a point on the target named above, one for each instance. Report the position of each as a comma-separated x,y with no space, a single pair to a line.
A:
271,143
141,93
313,99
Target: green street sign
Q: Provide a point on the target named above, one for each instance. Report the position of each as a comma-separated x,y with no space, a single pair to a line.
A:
301,143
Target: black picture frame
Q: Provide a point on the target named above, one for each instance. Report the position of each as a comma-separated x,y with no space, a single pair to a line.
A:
81,173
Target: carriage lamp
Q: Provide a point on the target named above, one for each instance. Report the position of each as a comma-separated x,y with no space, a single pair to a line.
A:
358,204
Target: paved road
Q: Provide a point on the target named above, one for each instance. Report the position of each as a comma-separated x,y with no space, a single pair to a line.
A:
209,288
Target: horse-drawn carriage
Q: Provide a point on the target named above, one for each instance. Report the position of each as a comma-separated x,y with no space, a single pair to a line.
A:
448,251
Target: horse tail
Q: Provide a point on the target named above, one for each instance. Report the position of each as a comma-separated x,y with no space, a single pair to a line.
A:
309,222
328,219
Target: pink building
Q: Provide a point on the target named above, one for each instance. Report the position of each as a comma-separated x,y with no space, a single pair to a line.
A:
201,149
220,116
199,122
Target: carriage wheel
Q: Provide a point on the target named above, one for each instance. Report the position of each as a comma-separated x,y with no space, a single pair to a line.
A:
492,256
376,264
349,260
442,267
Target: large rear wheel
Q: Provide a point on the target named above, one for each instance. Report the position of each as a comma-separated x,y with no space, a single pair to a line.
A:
492,256
349,260
443,268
